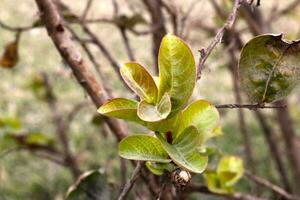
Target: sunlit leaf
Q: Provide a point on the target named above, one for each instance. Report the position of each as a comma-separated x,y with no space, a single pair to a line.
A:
121,108
143,147
91,185
203,115
140,81
230,170
269,67
177,71
164,125
10,56
153,113
184,152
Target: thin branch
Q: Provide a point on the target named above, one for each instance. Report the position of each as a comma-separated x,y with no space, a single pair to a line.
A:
16,29
72,56
265,183
136,173
233,196
249,106
86,10
218,37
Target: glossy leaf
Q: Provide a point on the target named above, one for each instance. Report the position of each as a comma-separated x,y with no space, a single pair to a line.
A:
10,56
184,152
269,68
91,185
140,81
143,147
121,108
153,113
203,115
177,71
230,170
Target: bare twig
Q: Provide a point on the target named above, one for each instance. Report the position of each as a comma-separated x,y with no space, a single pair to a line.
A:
265,183
233,196
130,183
218,37
86,10
249,106
72,56
16,29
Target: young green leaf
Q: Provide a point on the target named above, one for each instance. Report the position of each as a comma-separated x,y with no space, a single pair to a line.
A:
184,153
121,108
153,113
269,68
214,184
143,147
177,71
160,168
201,114
230,170
140,81
92,185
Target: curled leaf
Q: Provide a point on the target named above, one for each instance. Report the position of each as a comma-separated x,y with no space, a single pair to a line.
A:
10,56
140,81
153,113
121,108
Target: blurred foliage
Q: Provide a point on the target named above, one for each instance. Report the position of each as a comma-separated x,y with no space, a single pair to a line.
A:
25,176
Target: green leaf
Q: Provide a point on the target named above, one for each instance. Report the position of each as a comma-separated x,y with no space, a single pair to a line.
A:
10,122
143,147
121,108
184,152
230,170
164,125
214,184
269,68
153,113
91,185
203,115
140,81
177,71
159,168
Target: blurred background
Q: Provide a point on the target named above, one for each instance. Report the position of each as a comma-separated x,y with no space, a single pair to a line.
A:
39,94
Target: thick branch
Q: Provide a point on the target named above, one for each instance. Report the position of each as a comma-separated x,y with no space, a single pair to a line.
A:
72,56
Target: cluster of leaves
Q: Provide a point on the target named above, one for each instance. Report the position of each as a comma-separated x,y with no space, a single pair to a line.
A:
179,133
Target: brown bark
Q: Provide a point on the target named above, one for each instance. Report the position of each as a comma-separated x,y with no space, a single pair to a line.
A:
68,51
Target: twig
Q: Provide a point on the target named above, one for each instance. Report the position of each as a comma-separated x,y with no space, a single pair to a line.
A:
86,10
218,37
233,196
271,186
131,182
72,56
16,29
249,106
61,128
